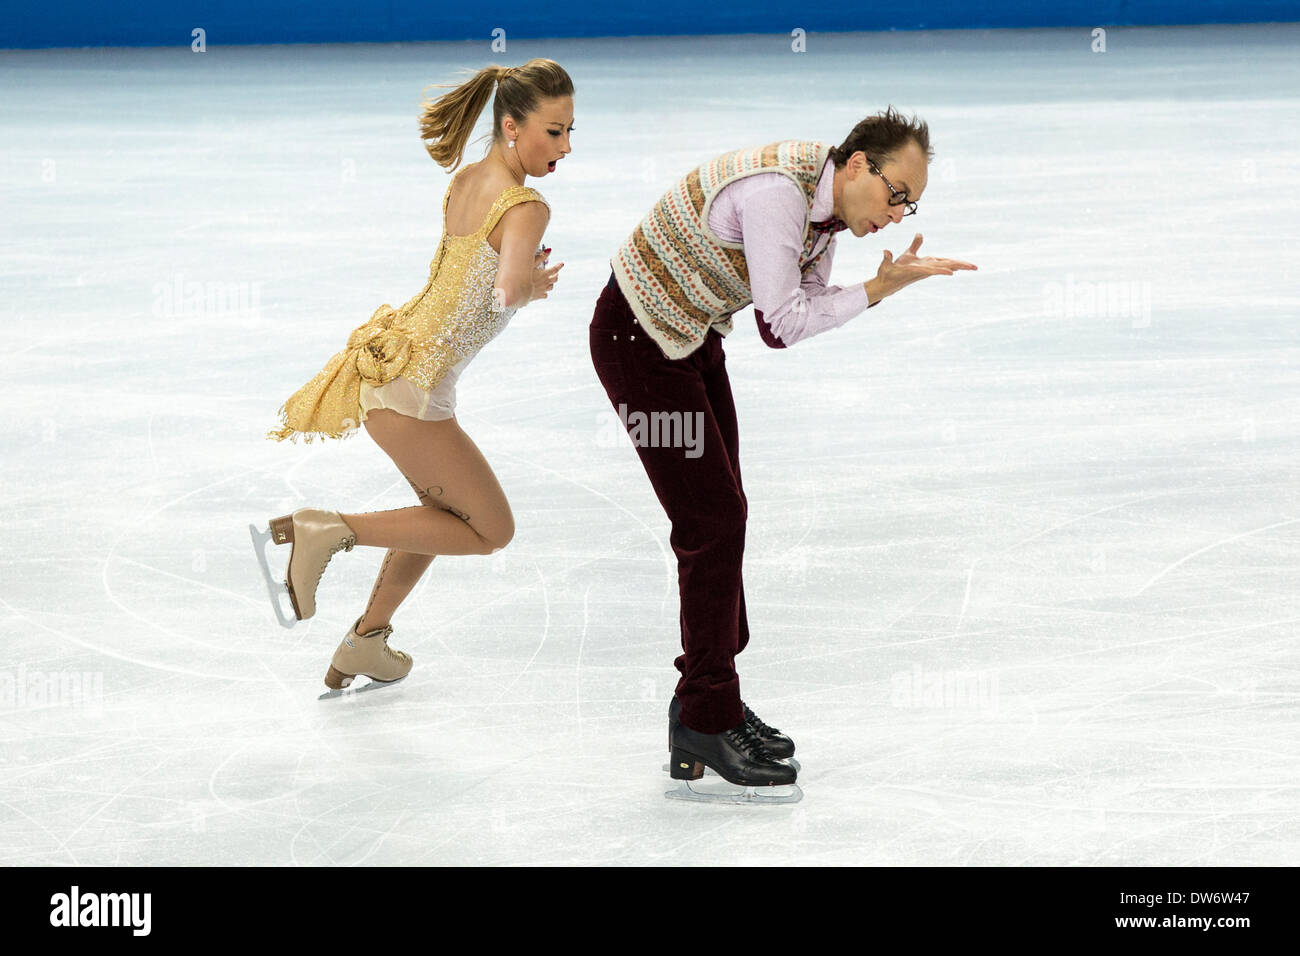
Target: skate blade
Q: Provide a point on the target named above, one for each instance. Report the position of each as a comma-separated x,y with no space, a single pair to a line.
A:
710,772
353,688
730,793
278,590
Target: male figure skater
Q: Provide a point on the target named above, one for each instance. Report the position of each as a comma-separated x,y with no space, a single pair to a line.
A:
754,225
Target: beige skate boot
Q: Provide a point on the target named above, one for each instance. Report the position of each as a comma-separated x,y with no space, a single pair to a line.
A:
367,654
316,536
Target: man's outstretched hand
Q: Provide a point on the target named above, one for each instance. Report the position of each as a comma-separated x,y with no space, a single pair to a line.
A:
895,274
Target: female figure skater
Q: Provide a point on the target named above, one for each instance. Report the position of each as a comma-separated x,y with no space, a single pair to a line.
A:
398,373
750,226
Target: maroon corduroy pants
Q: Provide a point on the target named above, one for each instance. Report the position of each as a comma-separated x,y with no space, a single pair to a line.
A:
698,485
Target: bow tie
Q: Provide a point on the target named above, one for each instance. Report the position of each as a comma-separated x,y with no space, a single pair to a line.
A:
829,225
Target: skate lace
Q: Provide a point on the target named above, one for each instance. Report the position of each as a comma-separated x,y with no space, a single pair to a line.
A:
392,654
382,634
344,544
388,651
749,742
760,728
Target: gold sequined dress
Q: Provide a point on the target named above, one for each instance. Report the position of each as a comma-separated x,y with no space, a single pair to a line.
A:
409,359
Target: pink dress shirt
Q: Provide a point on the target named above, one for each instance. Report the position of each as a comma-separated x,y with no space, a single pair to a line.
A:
766,212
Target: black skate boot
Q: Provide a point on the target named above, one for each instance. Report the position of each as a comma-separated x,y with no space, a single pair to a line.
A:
736,755
774,742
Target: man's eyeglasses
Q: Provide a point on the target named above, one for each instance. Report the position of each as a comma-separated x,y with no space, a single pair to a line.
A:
895,197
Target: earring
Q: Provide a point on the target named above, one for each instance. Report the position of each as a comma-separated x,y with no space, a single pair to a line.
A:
510,145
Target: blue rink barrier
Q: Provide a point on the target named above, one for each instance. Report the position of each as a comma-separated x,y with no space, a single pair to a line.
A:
77,23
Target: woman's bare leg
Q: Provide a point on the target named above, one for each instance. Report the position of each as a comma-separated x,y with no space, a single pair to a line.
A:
398,576
464,510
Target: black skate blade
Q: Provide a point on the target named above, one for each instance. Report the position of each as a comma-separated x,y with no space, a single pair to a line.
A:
710,772
730,793
353,689
276,589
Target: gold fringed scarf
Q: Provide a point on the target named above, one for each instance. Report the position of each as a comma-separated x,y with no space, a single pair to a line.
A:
330,404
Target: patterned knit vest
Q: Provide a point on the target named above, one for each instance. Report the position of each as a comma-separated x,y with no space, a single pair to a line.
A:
678,277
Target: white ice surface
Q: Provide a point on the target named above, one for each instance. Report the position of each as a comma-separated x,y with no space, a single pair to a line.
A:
1090,512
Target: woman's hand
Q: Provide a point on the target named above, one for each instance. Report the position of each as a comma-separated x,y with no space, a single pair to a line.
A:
543,278
895,274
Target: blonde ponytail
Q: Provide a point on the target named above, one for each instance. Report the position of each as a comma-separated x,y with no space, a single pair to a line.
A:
446,122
